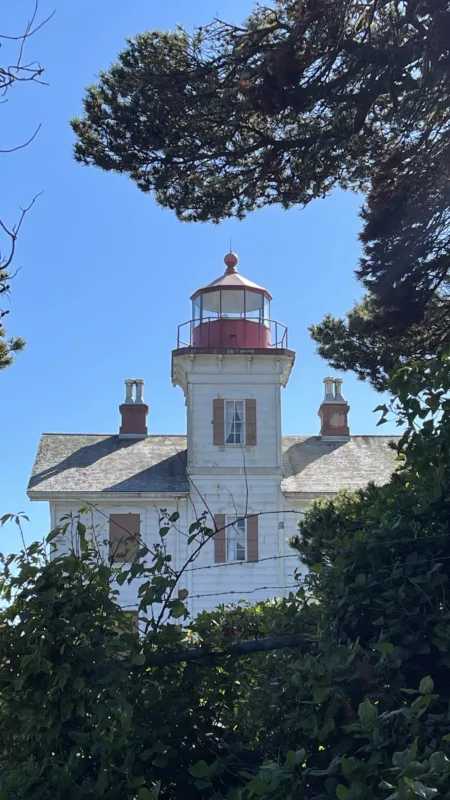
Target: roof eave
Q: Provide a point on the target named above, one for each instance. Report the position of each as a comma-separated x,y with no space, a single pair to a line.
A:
306,496
100,496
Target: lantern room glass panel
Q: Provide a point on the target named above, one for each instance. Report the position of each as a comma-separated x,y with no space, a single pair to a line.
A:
196,310
254,305
233,303
210,305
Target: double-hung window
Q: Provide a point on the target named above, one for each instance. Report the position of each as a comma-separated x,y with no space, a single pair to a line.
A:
234,422
236,539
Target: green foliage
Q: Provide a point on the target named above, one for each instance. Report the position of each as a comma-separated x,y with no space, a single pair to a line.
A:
299,99
374,343
359,710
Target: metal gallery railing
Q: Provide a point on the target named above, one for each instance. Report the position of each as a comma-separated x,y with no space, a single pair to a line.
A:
278,338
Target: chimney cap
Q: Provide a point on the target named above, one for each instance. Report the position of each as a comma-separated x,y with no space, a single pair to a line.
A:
333,390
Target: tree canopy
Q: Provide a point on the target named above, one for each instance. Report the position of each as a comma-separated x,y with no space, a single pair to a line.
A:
304,96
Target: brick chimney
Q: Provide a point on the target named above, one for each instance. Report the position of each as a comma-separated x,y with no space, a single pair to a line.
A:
333,412
134,411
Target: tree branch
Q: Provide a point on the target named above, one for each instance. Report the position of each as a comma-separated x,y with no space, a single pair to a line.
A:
238,649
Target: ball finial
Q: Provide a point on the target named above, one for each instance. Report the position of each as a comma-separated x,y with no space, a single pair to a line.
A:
230,261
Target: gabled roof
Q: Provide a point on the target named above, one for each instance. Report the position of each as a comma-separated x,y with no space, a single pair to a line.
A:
93,463
83,463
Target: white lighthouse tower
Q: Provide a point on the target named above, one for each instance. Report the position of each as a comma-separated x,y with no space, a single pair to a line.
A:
231,361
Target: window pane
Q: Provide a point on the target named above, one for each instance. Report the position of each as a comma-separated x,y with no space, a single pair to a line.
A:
196,309
236,539
234,421
211,304
232,302
240,551
253,303
239,410
240,526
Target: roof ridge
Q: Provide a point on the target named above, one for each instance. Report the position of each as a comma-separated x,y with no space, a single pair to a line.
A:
183,435
149,436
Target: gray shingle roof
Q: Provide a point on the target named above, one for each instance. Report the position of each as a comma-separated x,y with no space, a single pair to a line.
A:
312,465
83,463
95,463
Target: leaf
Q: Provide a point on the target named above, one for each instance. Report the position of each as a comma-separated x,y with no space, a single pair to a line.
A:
200,769
341,792
384,647
446,738
146,794
319,694
195,526
426,685
182,594
138,659
349,765
420,790
102,783
318,567
361,579
291,759
174,517
367,713
259,787
439,762
161,760
164,531
178,609
202,784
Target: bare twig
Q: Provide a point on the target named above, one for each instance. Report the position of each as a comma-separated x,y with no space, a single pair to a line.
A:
16,72
13,233
24,144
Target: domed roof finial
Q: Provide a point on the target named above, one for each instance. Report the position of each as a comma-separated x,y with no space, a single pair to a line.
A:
230,262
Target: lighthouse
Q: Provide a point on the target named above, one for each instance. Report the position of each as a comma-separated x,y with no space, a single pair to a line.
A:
231,361
234,470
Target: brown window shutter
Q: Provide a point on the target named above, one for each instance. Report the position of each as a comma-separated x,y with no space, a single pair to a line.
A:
252,539
250,422
121,528
218,422
220,539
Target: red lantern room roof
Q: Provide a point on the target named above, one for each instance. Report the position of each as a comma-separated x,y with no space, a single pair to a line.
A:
231,280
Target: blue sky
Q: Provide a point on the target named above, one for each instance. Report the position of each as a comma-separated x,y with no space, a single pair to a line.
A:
106,274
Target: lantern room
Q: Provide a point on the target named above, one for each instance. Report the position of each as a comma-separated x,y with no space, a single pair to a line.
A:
232,312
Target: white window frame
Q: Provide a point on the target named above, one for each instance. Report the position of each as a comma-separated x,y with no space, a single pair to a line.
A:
235,538
230,422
